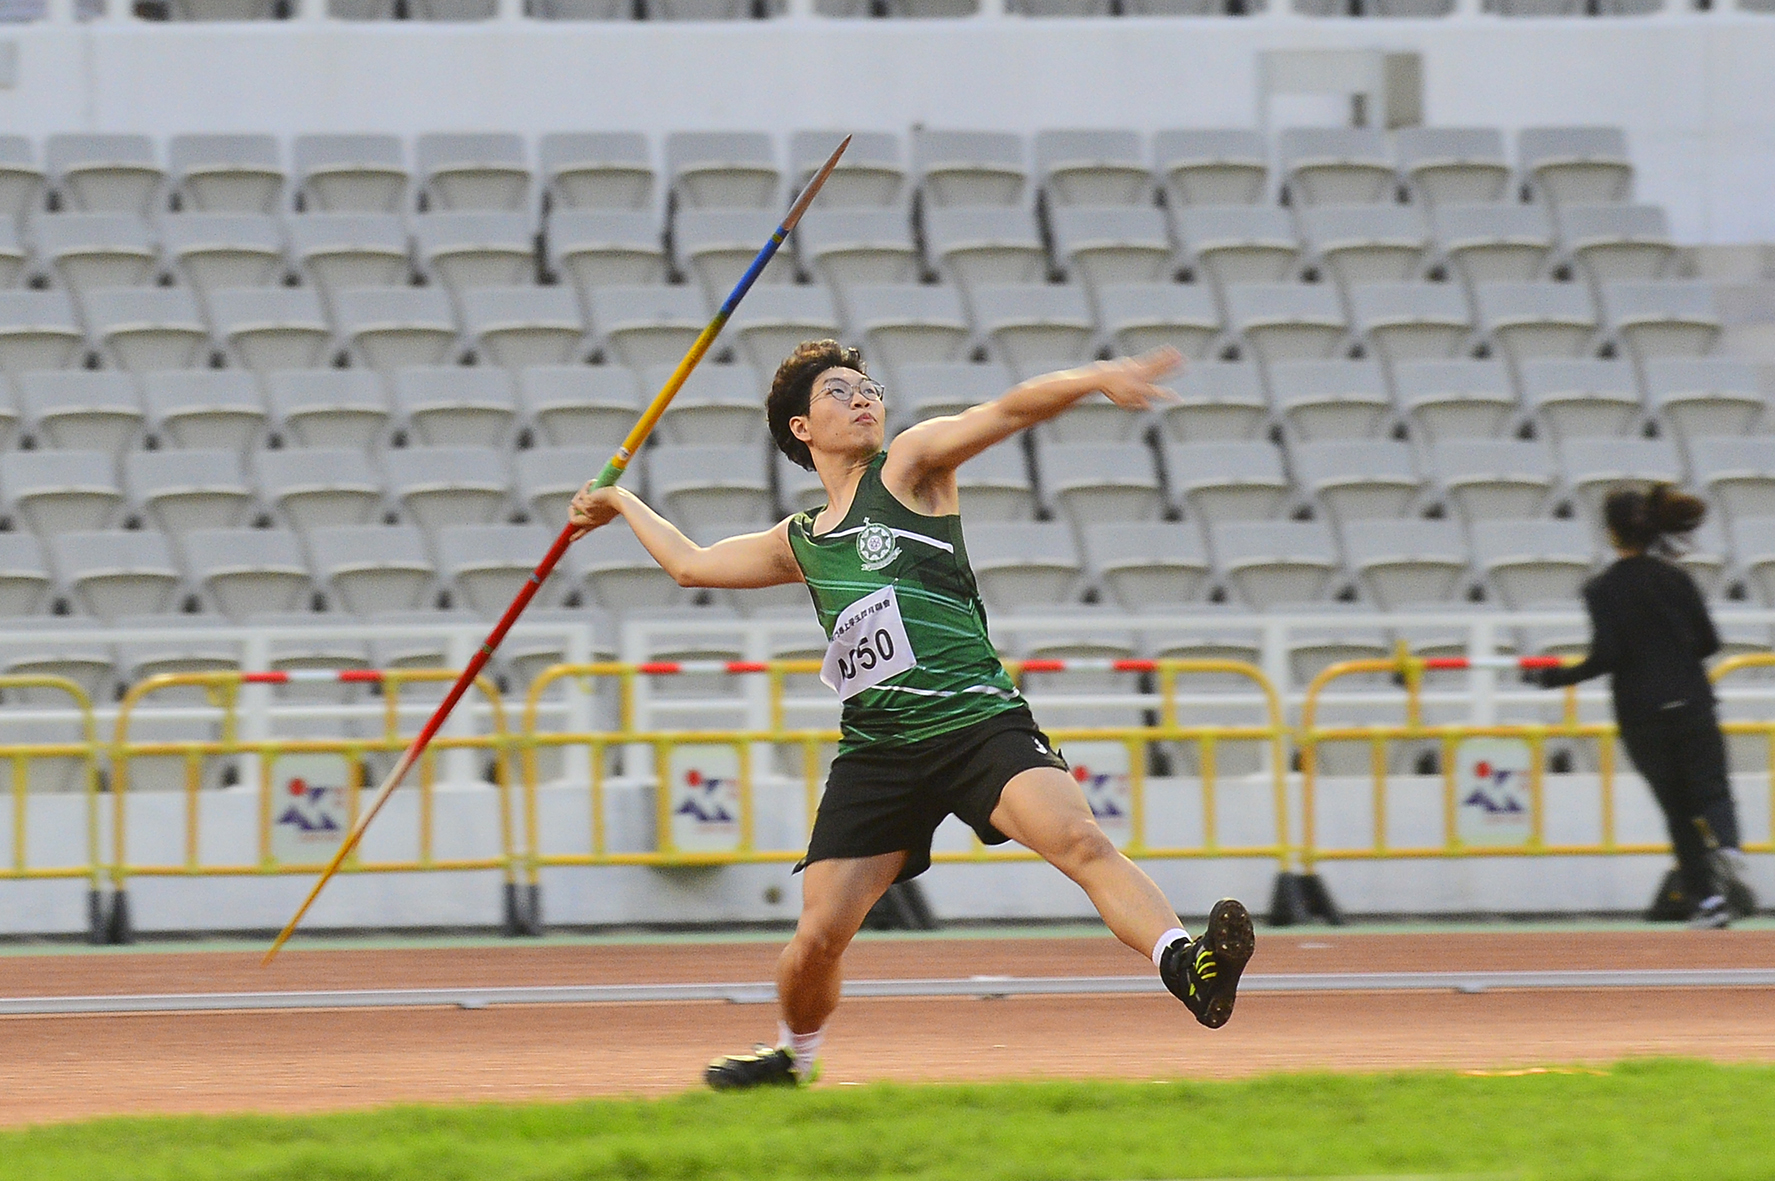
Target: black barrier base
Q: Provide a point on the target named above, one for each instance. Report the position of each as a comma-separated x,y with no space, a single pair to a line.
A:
533,909
1672,904
902,908
1301,898
118,929
514,911
95,917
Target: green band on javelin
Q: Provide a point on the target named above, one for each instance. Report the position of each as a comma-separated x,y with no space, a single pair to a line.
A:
610,475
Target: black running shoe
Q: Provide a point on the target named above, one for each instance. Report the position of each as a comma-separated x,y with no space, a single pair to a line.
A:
763,1067
1204,972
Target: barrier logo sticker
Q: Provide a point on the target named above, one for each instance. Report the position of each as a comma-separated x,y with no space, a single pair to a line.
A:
310,809
705,799
876,545
1101,771
1492,791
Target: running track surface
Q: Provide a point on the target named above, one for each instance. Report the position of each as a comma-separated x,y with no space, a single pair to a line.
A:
58,1068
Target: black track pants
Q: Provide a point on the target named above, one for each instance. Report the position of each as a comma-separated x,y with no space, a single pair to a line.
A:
1682,754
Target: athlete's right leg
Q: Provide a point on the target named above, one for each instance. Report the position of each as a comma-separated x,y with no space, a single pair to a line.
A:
836,895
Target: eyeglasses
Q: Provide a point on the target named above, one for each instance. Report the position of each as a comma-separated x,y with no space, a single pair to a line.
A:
838,391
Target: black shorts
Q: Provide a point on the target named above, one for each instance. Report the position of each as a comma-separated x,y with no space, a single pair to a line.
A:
884,799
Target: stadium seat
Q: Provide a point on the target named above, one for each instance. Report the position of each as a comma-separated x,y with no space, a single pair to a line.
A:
1237,243
9,422
1092,168
716,246
973,247
995,486
1356,244
1095,419
82,409
772,321
12,254
38,331
1705,555
1593,467
215,408
1024,565
597,170
645,326
342,250
1036,329
872,172
723,170
489,564
1215,401
465,251
226,173
847,248
1412,321
1577,397
1148,566
548,478
1453,165
1407,562
606,248
452,406
1138,317
183,490
1678,319
214,250
250,571
25,583
1336,166
1754,543
717,405
351,174
1287,321
719,489
621,574
62,653
1541,562
373,569
969,168
930,390
905,326
89,251
148,329
1268,563
1227,480
1331,399
580,405
440,486
1617,243
1485,479
58,491
1358,479
1738,475
1499,243
516,327
798,489
117,572
271,328
460,172
1704,395
319,487
327,407
1456,399
1576,165
1529,320
100,173
395,327
21,179
1098,246
1212,167
1090,482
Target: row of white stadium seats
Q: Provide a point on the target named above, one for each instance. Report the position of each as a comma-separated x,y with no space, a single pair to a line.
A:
714,169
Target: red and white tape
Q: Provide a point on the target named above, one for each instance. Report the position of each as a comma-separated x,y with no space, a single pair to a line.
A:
1521,662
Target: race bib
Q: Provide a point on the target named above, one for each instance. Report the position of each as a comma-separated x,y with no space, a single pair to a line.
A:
869,645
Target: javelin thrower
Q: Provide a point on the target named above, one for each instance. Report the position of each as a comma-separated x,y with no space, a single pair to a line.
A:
931,725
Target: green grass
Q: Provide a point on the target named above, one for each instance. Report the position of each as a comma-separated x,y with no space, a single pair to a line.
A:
1647,1119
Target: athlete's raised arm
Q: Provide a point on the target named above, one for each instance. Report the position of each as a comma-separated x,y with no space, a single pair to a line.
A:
748,560
937,446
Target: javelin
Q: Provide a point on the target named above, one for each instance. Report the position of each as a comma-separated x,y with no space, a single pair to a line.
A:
612,472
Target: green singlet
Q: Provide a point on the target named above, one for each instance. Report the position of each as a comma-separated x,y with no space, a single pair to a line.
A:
886,579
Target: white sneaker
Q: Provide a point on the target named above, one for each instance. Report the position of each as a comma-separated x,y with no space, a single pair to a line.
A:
1711,915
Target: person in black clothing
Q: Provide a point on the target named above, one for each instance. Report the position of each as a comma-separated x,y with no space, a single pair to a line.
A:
1649,632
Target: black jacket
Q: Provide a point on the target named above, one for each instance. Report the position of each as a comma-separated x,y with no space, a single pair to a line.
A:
1650,631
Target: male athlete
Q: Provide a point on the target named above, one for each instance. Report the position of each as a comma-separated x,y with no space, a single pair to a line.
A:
931,723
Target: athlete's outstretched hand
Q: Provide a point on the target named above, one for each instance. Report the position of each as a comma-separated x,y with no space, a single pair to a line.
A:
592,508
1129,381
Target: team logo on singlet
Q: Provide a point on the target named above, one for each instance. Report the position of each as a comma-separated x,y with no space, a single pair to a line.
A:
876,545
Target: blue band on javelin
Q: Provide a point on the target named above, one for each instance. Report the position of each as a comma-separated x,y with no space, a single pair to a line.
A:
752,273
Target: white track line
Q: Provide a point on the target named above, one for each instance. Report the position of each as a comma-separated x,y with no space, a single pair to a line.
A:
974,986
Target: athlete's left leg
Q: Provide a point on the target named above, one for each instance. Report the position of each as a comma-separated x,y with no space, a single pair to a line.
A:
1044,810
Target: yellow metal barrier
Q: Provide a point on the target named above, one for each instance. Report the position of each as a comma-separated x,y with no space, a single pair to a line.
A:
1764,730
20,755
1272,733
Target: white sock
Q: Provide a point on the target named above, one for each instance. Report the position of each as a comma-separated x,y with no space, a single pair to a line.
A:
1166,940
804,1046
